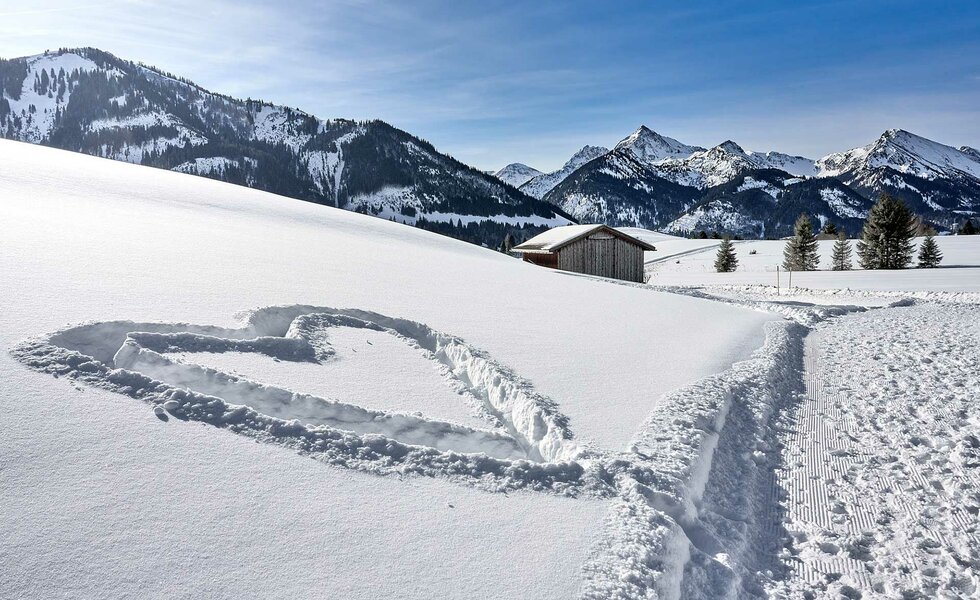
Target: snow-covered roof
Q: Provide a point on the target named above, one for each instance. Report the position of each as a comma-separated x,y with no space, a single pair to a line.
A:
553,239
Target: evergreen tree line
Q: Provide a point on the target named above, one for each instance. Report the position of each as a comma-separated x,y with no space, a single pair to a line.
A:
886,242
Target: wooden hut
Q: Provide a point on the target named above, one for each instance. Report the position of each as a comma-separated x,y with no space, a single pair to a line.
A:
592,249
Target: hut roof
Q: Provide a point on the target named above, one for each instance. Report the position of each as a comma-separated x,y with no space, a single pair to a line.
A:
558,237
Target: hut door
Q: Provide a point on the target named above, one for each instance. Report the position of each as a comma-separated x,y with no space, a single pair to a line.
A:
604,255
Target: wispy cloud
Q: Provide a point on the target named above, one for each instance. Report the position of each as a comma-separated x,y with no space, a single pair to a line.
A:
504,81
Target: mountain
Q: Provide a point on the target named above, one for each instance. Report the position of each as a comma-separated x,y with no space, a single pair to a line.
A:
539,186
619,189
90,101
650,147
971,152
935,180
766,202
517,174
725,162
651,180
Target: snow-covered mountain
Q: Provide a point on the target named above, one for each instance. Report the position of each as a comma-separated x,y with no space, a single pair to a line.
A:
628,186
971,152
725,162
936,180
650,147
539,186
90,101
516,174
619,189
766,202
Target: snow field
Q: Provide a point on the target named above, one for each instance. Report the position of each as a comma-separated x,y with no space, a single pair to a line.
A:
691,263
101,496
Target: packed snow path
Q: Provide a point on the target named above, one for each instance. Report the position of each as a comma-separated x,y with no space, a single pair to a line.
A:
881,467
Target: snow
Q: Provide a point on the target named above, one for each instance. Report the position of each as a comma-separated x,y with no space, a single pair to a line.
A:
516,174
211,390
40,123
113,483
273,125
557,237
651,147
540,185
905,152
960,270
838,201
754,184
208,165
416,381
882,485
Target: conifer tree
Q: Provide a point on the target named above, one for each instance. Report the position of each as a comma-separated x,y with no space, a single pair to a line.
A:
840,258
800,253
830,228
886,242
726,261
929,254
968,228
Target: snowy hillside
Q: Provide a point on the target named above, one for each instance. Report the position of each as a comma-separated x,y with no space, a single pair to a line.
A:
516,174
209,390
90,101
412,440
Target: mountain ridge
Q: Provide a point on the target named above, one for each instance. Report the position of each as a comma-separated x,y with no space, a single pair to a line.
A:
939,182
88,100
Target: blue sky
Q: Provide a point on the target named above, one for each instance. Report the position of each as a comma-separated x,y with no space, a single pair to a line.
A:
497,82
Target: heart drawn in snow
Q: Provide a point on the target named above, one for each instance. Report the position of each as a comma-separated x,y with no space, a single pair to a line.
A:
526,442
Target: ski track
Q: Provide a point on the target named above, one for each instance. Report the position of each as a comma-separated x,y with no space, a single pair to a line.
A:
880,474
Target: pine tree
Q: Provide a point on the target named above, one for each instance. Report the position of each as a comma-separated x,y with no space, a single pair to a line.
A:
886,242
929,254
840,258
507,243
800,253
830,229
968,228
726,261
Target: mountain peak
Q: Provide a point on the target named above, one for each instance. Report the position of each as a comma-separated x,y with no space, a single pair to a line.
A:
649,146
730,147
516,174
971,152
584,155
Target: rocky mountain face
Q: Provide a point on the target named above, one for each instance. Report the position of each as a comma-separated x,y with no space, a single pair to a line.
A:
87,100
766,202
517,174
653,181
621,190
